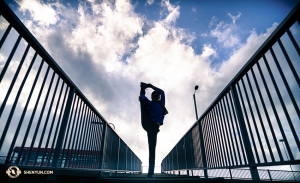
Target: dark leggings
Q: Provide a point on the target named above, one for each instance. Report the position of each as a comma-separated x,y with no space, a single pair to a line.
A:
152,131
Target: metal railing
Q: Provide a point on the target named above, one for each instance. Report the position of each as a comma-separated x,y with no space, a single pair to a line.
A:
45,120
256,111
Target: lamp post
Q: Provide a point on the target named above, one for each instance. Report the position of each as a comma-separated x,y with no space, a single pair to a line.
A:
282,140
196,88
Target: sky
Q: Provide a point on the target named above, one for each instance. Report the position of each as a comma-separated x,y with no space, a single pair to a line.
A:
108,47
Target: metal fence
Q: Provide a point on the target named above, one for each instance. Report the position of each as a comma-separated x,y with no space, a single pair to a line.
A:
45,120
255,120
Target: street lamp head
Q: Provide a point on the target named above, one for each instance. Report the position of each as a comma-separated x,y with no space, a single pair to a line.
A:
196,87
281,140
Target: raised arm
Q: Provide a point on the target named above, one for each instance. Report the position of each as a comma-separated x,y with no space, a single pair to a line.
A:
162,93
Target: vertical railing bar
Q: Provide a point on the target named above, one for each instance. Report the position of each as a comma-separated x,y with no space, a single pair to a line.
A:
185,158
58,124
175,151
208,147
254,121
176,157
187,150
206,144
259,116
203,155
90,140
79,135
217,137
46,121
25,109
292,68
233,130
62,130
98,145
64,147
86,138
95,142
250,157
70,150
12,111
171,160
238,129
39,123
232,147
9,60
119,147
272,103
212,140
218,133
212,132
292,98
266,113
226,132
82,138
223,135
75,133
247,119
91,145
293,40
83,144
12,84
80,132
5,34
52,124
273,106
88,127
33,113
8,94
178,164
101,142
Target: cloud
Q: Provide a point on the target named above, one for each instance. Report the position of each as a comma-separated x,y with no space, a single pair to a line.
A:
44,14
227,34
150,2
169,12
234,18
213,20
194,9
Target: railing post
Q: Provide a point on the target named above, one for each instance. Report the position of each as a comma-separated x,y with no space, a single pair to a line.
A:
103,140
62,130
245,137
63,127
202,150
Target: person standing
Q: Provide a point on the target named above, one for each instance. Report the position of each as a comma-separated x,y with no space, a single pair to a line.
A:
152,117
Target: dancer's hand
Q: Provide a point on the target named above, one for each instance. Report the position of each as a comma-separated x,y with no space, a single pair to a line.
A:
149,85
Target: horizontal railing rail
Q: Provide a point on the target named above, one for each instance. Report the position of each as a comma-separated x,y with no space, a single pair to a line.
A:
45,119
254,121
